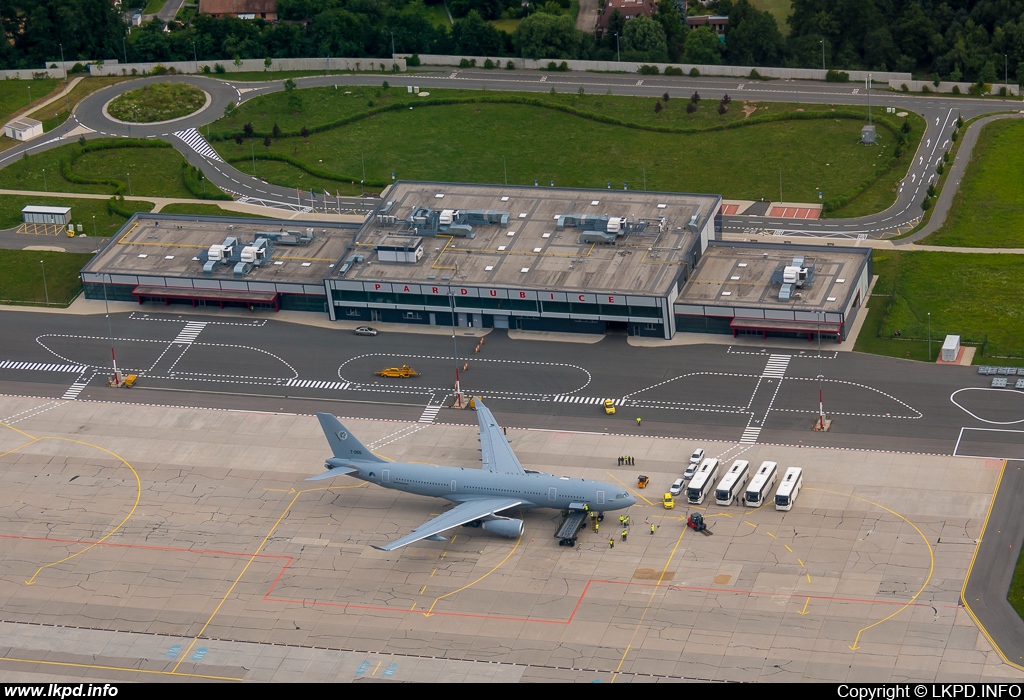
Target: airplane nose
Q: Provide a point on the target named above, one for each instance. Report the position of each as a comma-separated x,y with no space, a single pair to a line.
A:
630,501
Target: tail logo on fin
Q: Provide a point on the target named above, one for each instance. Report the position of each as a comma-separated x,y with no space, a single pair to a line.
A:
342,435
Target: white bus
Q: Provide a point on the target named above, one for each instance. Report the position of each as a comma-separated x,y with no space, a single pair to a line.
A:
701,482
789,489
762,483
732,483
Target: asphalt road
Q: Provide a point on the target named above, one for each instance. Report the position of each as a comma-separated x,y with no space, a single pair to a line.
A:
940,114
720,392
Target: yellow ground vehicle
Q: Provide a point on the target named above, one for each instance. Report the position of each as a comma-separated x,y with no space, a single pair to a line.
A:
609,407
641,481
404,372
668,501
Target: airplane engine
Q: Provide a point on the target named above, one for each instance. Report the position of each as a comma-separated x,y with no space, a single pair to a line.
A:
506,527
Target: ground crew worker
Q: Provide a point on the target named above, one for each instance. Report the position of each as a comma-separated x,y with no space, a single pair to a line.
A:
625,520
611,543
652,528
597,526
624,533
622,520
638,420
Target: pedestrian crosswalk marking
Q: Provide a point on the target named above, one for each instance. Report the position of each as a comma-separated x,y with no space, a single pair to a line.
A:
776,367
194,140
41,366
189,333
750,435
429,414
562,398
314,384
75,389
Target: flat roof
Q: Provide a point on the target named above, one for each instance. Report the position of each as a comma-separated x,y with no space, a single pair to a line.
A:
33,209
529,252
24,123
170,246
731,275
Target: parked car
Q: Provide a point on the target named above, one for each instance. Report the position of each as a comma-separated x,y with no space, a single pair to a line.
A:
677,487
366,330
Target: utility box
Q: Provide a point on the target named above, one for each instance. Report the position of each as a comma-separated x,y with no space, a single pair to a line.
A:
951,348
867,134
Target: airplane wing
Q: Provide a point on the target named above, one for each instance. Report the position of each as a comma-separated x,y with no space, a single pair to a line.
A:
461,514
495,450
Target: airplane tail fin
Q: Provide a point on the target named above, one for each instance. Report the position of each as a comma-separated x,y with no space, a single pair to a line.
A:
343,444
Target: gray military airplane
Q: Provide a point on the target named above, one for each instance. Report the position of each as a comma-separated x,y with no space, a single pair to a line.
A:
479,494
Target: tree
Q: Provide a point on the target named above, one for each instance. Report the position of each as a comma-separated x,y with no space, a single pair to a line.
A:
472,36
644,40
546,36
703,47
752,38
675,33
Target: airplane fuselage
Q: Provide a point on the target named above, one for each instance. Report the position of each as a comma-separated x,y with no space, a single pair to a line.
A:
456,484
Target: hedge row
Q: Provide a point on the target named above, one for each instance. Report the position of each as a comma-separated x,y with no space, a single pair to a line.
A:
317,172
583,114
119,186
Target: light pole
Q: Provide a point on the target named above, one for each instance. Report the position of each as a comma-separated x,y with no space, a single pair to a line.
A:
67,104
822,54
821,377
618,56
94,233
252,149
46,292
45,188
455,347
929,336
29,95
129,184
195,56
124,49
780,184
1006,75
110,332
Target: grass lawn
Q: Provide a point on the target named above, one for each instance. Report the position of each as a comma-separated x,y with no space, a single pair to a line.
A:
82,211
157,102
467,143
21,276
14,94
57,113
779,9
154,172
987,209
205,210
1016,593
974,295
153,7
437,15
508,26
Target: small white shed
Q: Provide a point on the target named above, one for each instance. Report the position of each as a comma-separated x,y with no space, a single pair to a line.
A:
23,129
950,348
32,214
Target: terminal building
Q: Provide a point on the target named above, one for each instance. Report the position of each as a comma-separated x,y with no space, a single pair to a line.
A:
496,256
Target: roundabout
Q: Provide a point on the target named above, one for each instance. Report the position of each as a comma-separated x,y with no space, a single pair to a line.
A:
157,103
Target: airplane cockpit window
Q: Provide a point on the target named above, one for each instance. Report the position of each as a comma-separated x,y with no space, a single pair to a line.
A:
371,475
621,495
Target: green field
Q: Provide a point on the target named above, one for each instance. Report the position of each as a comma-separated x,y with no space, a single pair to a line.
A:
14,97
21,276
988,209
205,210
477,142
157,102
976,296
153,172
92,214
779,9
57,113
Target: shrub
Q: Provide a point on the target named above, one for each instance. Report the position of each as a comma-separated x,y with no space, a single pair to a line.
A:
937,81
691,107
931,190
754,75
657,107
940,168
904,88
836,76
695,97
959,121
723,108
304,132
564,67
694,73
276,131
464,63
898,152
489,64
926,204
1002,91
665,97
205,70
648,70
510,66
552,65
413,61
289,85
956,89
218,68
239,139
906,127
158,69
924,88
266,141
672,70
78,68
726,99
955,136
229,109
248,129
